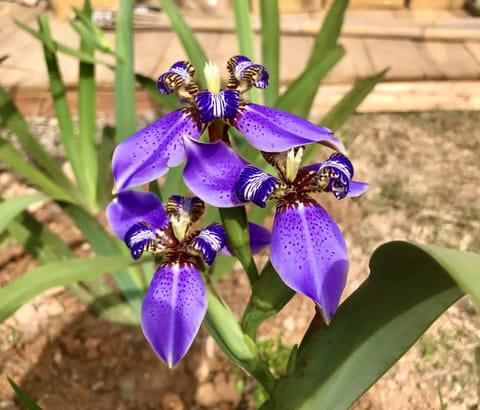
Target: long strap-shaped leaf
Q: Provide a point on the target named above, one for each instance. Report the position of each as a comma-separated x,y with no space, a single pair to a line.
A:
125,111
26,400
13,207
16,293
190,44
408,288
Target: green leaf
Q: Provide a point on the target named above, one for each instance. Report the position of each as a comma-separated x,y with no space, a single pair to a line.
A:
235,222
190,44
11,157
27,401
11,118
125,99
298,98
130,281
408,288
105,177
21,290
270,19
11,208
306,85
269,296
340,113
170,102
87,114
243,28
62,109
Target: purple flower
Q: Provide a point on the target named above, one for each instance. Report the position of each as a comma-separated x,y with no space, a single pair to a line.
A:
176,302
149,153
307,249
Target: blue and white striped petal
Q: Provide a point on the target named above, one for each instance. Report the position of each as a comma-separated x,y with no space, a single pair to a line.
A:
140,238
255,185
194,207
180,74
336,172
209,242
222,105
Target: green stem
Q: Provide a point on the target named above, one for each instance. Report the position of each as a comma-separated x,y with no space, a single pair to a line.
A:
235,222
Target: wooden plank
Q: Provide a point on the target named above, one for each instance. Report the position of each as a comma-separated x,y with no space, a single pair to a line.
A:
452,59
386,4
436,4
149,48
474,50
399,55
9,12
294,54
356,52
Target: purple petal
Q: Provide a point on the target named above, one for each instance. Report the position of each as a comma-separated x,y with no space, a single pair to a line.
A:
272,130
244,70
259,236
357,188
309,253
140,238
213,106
209,241
148,153
132,207
173,309
255,185
180,74
212,172
337,172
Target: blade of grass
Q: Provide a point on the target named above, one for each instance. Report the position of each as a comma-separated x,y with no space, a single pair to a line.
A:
26,400
241,11
125,101
190,44
11,157
62,109
11,118
105,178
271,47
10,208
87,107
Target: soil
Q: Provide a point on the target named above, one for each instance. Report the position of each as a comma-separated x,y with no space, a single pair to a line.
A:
423,169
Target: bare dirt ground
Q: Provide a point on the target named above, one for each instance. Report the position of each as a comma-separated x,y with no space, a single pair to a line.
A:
424,173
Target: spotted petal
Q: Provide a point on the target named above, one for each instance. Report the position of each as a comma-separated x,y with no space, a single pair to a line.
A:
272,130
212,171
132,207
309,253
148,153
173,309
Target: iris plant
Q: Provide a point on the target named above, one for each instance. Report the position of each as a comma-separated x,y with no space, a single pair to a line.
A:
149,153
176,301
307,250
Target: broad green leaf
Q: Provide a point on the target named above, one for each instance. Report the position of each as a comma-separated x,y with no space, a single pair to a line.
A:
105,177
26,400
190,44
11,157
87,130
340,113
243,28
270,19
125,99
12,119
11,208
235,222
62,109
408,288
298,97
21,290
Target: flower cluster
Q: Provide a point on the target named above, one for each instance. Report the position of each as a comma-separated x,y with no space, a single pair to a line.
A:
307,248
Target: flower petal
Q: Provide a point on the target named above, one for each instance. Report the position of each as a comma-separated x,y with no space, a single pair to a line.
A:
209,241
335,175
309,253
173,309
259,236
255,185
357,188
140,238
212,171
213,106
148,153
272,130
131,207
